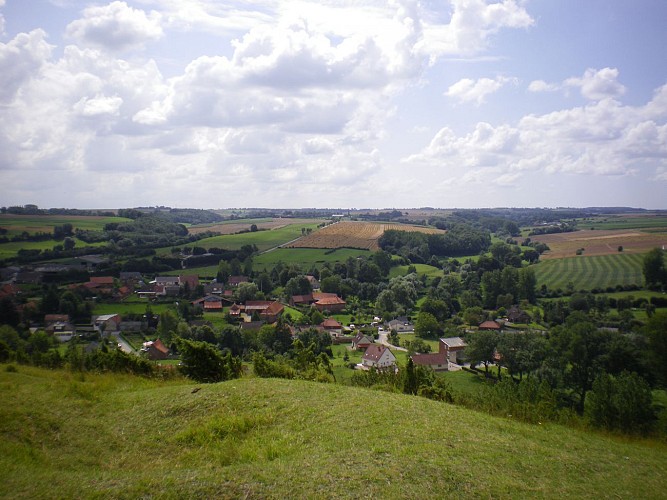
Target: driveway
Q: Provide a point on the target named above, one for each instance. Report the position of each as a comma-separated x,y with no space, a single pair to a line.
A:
124,346
384,340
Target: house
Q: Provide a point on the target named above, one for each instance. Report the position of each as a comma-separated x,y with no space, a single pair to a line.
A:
214,288
449,350
361,342
129,276
92,262
237,280
401,324
102,281
328,302
332,327
516,315
107,322
314,283
55,318
490,325
191,280
155,350
268,311
379,357
166,280
301,300
455,347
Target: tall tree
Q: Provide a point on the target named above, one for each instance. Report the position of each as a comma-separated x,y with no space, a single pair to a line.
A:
482,348
653,267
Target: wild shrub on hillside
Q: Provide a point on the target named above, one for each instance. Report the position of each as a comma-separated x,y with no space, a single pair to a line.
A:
203,362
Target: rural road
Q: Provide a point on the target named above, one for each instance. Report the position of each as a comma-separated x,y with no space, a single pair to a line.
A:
124,346
382,339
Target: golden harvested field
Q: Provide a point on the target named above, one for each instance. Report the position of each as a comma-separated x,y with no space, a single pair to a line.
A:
235,227
348,234
603,242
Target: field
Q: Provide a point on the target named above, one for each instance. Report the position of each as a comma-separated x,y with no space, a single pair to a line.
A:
429,271
305,257
587,273
10,250
263,239
114,436
234,226
604,242
16,224
648,222
347,234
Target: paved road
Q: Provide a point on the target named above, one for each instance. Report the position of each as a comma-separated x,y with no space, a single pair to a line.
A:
382,339
124,346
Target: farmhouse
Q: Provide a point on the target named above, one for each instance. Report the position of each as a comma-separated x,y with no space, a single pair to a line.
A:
268,311
332,327
401,325
237,280
107,322
328,302
450,350
155,349
516,315
490,325
378,356
361,342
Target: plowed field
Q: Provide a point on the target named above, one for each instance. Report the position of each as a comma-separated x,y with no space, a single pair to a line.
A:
599,242
348,234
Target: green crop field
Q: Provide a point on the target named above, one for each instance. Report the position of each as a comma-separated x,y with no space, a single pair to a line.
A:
16,224
68,435
263,239
10,250
306,257
587,273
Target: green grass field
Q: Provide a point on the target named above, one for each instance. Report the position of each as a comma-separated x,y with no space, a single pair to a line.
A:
134,307
587,273
16,224
429,271
306,257
263,239
9,250
116,436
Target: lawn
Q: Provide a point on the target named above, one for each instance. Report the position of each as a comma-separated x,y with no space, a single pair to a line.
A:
587,273
134,307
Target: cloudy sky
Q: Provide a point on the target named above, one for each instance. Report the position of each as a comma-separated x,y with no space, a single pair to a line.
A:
334,103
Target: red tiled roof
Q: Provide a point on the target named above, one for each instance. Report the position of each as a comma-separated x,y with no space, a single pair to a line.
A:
490,325
102,280
49,318
210,305
374,352
330,323
160,346
438,358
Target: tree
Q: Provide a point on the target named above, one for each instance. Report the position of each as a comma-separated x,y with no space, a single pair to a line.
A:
527,285
68,243
202,362
653,267
656,331
620,403
427,326
167,326
482,348
246,291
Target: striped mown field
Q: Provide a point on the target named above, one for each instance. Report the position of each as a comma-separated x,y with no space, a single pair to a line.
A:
587,273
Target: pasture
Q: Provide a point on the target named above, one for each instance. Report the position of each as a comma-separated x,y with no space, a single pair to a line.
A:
650,221
17,224
596,242
263,239
587,273
348,234
425,269
10,250
305,257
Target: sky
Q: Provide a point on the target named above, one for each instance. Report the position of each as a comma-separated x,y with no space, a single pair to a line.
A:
333,104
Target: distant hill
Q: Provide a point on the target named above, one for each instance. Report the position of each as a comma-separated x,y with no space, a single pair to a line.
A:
66,435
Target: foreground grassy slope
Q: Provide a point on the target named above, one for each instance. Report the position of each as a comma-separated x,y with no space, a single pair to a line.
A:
117,436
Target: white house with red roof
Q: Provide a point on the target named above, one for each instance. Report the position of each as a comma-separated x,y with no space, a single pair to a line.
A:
378,356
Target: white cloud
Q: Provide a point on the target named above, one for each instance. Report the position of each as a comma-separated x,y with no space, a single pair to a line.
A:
472,24
115,26
20,60
466,89
597,84
98,105
2,18
542,86
604,138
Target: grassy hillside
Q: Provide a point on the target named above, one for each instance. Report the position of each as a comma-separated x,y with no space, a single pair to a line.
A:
117,436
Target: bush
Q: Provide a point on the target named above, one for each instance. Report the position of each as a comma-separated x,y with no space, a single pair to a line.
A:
203,362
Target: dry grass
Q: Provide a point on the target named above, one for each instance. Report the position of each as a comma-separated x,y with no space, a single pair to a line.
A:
347,234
